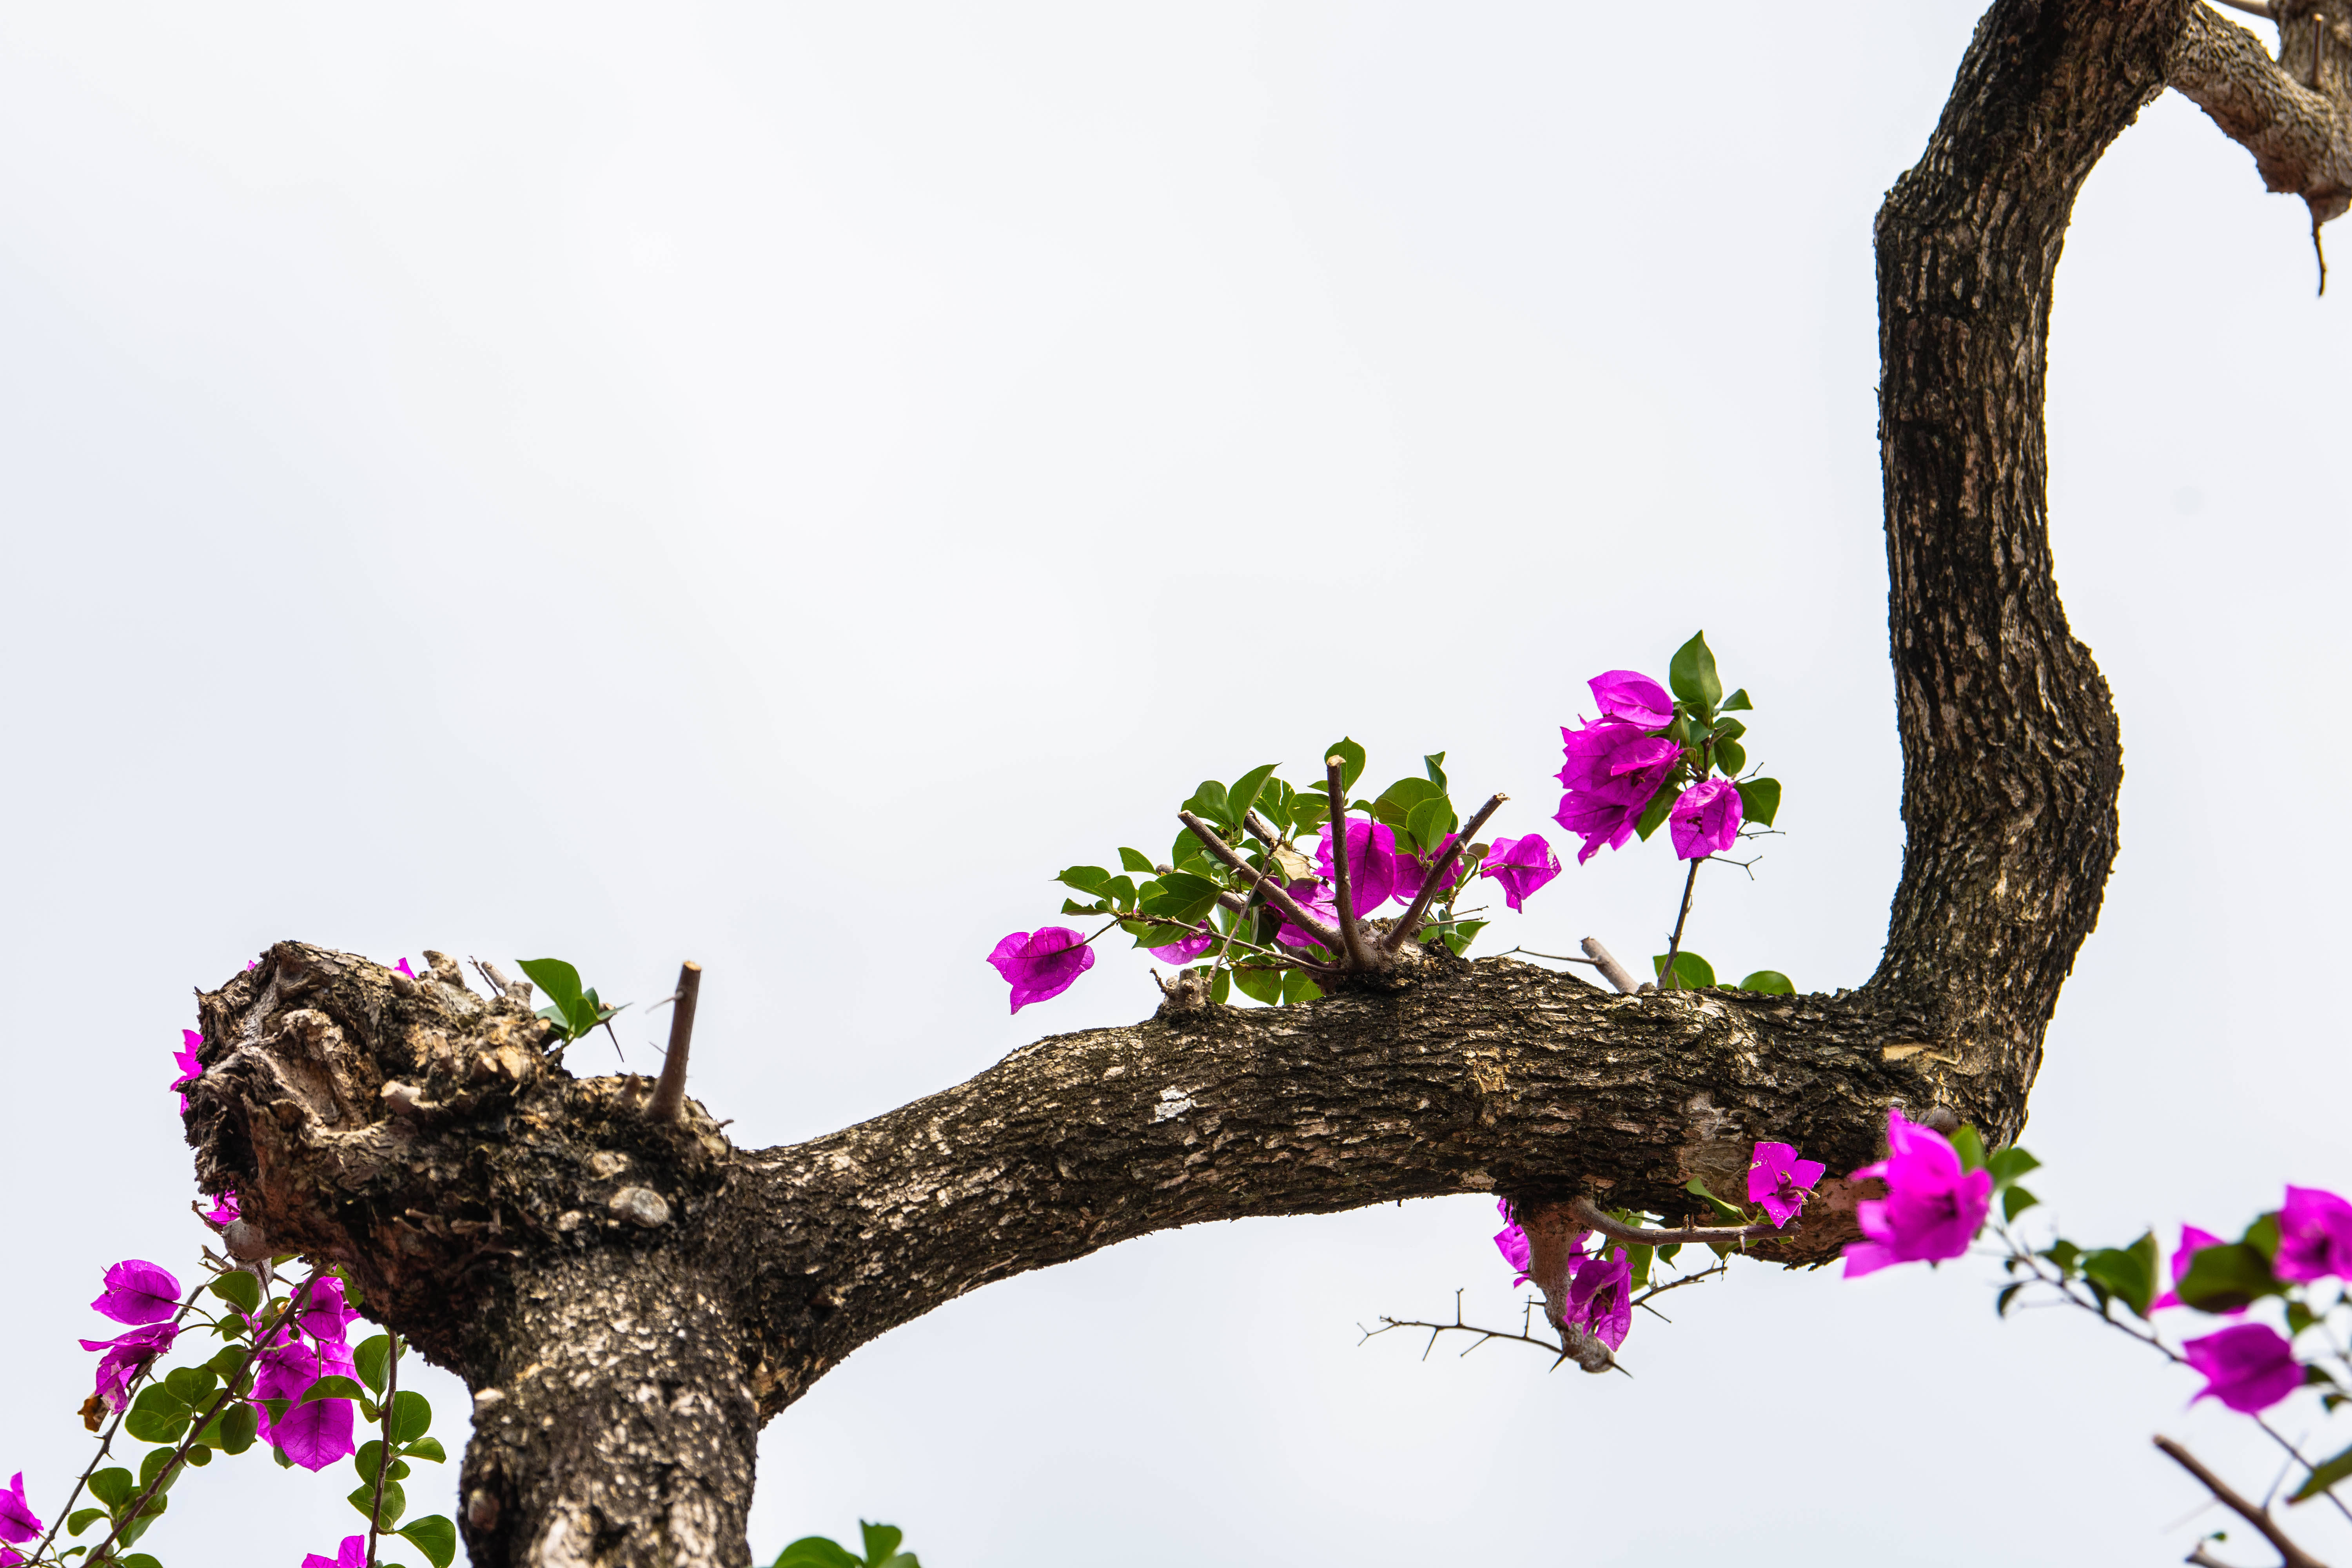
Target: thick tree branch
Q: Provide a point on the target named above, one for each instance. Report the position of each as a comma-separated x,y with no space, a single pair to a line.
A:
631,1297
2293,113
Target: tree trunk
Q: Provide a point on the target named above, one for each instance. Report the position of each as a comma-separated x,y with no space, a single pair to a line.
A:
630,1298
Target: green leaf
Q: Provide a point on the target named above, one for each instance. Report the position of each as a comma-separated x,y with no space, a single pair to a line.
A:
1210,805
427,1448
1660,804
1430,822
1297,985
1351,763
558,979
2008,1294
2225,1278
412,1416
1133,861
1637,1258
2127,1272
2324,1477
239,1290
1179,895
1736,702
1120,891
194,1384
1275,800
1246,791
881,1540
227,1364
82,1519
362,1497
1693,973
1435,763
1461,934
156,1464
332,1388
137,1560
2299,1318
1759,800
1308,811
817,1552
1723,1211
1731,758
199,1455
1221,990
1691,675
237,1427
2015,1201
2008,1164
1395,803
158,1416
1728,729
1969,1147
1771,982
1189,847
370,1358
1085,879
1259,985
435,1535
2263,1236
1666,1253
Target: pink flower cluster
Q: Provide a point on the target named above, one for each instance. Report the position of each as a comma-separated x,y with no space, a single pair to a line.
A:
2252,1366
1617,763
1933,1208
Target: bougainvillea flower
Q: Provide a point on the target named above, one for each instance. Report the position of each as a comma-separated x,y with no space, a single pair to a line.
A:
2192,1242
138,1292
325,1314
1184,950
401,966
1779,1181
316,1435
1599,1297
1512,1242
1522,865
1932,1209
1315,898
2315,1235
1372,863
191,1070
1613,770
127,1356
1041,964
1412,870
353,1554
1704,819
2247,1366
16,1521
1630,695
224,1209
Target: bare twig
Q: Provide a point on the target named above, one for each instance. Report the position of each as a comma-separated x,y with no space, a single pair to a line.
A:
1589,1215
669,1095
1610,970
1666,980
2292,1556
1438,871
1270,888
1343,893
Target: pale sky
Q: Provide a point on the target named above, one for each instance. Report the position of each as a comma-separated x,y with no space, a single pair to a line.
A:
772,484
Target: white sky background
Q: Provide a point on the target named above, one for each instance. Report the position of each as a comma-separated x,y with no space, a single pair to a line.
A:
773,485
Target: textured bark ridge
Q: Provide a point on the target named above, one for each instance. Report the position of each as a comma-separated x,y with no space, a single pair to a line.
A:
2294,113
630,1299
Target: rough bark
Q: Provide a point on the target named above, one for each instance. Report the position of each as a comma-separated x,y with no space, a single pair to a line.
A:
2293,113
630,1298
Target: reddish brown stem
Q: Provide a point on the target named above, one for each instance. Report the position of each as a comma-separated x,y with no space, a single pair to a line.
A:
1275,894
1343,895
669,1095
1437,874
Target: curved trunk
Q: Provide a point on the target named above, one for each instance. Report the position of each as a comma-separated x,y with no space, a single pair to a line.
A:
630,1295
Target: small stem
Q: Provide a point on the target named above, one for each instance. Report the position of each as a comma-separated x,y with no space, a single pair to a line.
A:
1666,980
1271,887
2295,1556
383,1455
1343,895
1259,829
1437,874
1589,1215
669,1102
1610,970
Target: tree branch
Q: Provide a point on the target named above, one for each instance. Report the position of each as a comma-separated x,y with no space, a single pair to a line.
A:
1592,1217
1343,894
1437,873
2293,113
1271,887
2292,1556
